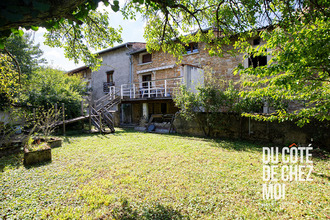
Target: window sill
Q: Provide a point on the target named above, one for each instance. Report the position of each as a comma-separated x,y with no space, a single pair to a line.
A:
141,64
187,54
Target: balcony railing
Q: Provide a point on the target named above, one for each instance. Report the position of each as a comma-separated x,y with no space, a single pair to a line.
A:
107,86
150,89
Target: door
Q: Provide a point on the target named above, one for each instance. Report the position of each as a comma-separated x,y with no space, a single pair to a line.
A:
146,78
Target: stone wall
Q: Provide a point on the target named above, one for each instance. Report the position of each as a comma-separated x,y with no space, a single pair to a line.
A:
283,134
221,66
116,61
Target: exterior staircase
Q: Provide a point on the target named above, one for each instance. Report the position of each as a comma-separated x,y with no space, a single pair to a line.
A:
101,111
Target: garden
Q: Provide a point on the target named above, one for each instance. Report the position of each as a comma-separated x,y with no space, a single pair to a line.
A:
132,175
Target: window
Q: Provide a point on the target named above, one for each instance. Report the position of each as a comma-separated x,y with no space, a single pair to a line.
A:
145,79
146,58
257,61
256,41
192,48
110,78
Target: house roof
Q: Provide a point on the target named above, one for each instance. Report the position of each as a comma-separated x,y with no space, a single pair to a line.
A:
118,47
105,51
78,70
138,51
203,30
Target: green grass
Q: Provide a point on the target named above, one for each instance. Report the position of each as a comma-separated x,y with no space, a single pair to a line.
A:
130,175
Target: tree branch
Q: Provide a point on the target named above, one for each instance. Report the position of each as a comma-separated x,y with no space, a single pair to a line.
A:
17,66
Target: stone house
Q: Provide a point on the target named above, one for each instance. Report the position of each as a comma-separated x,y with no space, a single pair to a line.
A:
157,75
114,71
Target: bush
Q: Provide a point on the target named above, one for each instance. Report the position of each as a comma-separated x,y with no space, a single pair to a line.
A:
48,86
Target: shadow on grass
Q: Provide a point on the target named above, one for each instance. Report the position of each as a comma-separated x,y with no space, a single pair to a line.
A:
38,164
153,212
226,143
12,161
321,175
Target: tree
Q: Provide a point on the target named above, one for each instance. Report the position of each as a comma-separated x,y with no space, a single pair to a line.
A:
230,20
298,72
27,54
74,25
49,86
297,35
8,82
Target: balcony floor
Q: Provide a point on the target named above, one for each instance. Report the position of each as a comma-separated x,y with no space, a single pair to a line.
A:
127,99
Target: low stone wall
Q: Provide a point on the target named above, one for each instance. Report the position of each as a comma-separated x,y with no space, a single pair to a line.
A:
237,127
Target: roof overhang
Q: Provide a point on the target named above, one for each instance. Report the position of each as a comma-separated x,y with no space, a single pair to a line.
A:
156,68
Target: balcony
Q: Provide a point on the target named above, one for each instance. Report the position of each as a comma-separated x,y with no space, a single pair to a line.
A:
162,88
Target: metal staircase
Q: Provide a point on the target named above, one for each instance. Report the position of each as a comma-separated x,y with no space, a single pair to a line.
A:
102,113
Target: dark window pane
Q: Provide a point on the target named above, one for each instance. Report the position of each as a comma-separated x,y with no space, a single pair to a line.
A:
256,41
163,108
257,61
146,58
144,79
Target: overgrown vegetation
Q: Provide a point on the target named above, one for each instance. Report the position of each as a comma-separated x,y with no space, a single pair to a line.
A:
204,103
151,176
8,82
49,86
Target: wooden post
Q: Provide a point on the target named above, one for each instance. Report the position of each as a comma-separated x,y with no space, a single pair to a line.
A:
90,116
82,114
100,123
63,110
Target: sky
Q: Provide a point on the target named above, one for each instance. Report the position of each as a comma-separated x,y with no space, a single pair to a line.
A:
132,32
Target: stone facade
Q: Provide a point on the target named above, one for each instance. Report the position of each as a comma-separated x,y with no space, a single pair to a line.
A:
221,66
115,60
281,134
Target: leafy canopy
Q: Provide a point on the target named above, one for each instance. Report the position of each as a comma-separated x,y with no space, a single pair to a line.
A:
27,54
8,82
75,25
297,36
49,86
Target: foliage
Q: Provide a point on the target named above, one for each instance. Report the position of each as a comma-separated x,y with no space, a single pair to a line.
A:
74,25
8,82
297,73
297,35
215,96
92,176
27,54
35,147
78,40
46,120
48,86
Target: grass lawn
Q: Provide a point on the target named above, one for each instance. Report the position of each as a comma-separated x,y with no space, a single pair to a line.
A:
130,175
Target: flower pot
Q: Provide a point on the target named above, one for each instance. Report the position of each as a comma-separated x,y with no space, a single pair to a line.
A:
55,142
38,156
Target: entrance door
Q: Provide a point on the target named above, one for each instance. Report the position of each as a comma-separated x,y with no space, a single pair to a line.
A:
145,79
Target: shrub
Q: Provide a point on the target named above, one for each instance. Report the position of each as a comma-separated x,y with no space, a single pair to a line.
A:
49,86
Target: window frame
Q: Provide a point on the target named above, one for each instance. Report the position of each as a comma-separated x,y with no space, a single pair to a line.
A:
192,48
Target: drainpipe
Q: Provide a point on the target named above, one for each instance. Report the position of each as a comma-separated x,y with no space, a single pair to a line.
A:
130,65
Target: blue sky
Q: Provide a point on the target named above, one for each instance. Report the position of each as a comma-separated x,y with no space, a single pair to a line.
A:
132,32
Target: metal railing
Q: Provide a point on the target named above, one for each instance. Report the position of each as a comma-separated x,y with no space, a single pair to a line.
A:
149,89
107,87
